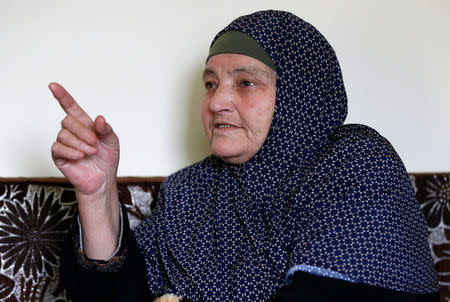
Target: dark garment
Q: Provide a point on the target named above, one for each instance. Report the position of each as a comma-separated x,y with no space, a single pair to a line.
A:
317,193
308,287
124,279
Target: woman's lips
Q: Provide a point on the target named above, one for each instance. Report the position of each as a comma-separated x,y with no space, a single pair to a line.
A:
222,127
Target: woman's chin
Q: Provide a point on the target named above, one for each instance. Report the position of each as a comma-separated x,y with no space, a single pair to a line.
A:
231,156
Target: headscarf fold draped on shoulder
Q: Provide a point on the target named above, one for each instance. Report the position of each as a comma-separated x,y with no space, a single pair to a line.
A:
317,193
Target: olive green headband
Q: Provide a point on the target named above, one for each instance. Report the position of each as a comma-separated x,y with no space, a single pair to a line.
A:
237,42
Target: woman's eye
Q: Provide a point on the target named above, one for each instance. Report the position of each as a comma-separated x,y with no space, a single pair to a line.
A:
209,85
247,83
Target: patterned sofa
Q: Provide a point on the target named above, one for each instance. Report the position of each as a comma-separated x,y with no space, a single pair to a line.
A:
36,212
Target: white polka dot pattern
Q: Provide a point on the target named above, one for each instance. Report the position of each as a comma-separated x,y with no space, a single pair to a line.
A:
317,193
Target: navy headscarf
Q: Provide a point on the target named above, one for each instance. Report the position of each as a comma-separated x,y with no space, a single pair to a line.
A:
317,195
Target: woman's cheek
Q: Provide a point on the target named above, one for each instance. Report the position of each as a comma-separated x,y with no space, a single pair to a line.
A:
206,117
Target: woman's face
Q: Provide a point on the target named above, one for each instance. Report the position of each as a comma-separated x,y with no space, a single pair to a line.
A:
238,105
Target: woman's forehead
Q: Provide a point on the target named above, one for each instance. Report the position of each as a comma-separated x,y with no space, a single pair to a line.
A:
236,64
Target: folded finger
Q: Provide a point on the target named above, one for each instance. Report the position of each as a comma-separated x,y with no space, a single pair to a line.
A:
79,130
66,138
60,151
68,104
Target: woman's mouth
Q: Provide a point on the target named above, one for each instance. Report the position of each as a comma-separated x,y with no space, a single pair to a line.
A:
223,127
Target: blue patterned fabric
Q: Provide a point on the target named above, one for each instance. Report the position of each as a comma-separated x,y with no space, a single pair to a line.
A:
317,193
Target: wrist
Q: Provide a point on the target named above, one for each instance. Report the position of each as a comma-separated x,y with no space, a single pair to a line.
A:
100,222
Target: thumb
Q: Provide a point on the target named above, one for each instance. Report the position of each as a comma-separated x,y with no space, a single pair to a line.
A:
105,132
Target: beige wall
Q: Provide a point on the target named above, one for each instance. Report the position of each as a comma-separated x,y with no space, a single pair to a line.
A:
139,62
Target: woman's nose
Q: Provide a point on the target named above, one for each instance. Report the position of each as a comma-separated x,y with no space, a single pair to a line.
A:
222,99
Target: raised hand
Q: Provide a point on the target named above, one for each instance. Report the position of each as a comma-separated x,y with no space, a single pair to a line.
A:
87,153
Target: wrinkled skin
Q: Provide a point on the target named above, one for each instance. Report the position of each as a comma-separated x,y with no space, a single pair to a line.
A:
238,105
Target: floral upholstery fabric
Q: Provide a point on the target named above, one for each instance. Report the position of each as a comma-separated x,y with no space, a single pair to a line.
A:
433,194
36,213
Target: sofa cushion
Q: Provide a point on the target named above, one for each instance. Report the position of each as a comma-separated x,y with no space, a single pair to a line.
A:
35,214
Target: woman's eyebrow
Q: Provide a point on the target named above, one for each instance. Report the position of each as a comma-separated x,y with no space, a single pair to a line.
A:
208,71
253,70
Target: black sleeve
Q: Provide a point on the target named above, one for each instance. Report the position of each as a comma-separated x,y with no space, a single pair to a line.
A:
123,278
309,287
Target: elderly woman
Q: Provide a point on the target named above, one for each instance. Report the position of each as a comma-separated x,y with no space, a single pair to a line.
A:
292,205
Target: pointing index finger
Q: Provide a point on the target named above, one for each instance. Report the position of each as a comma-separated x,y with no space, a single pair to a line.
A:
68,104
